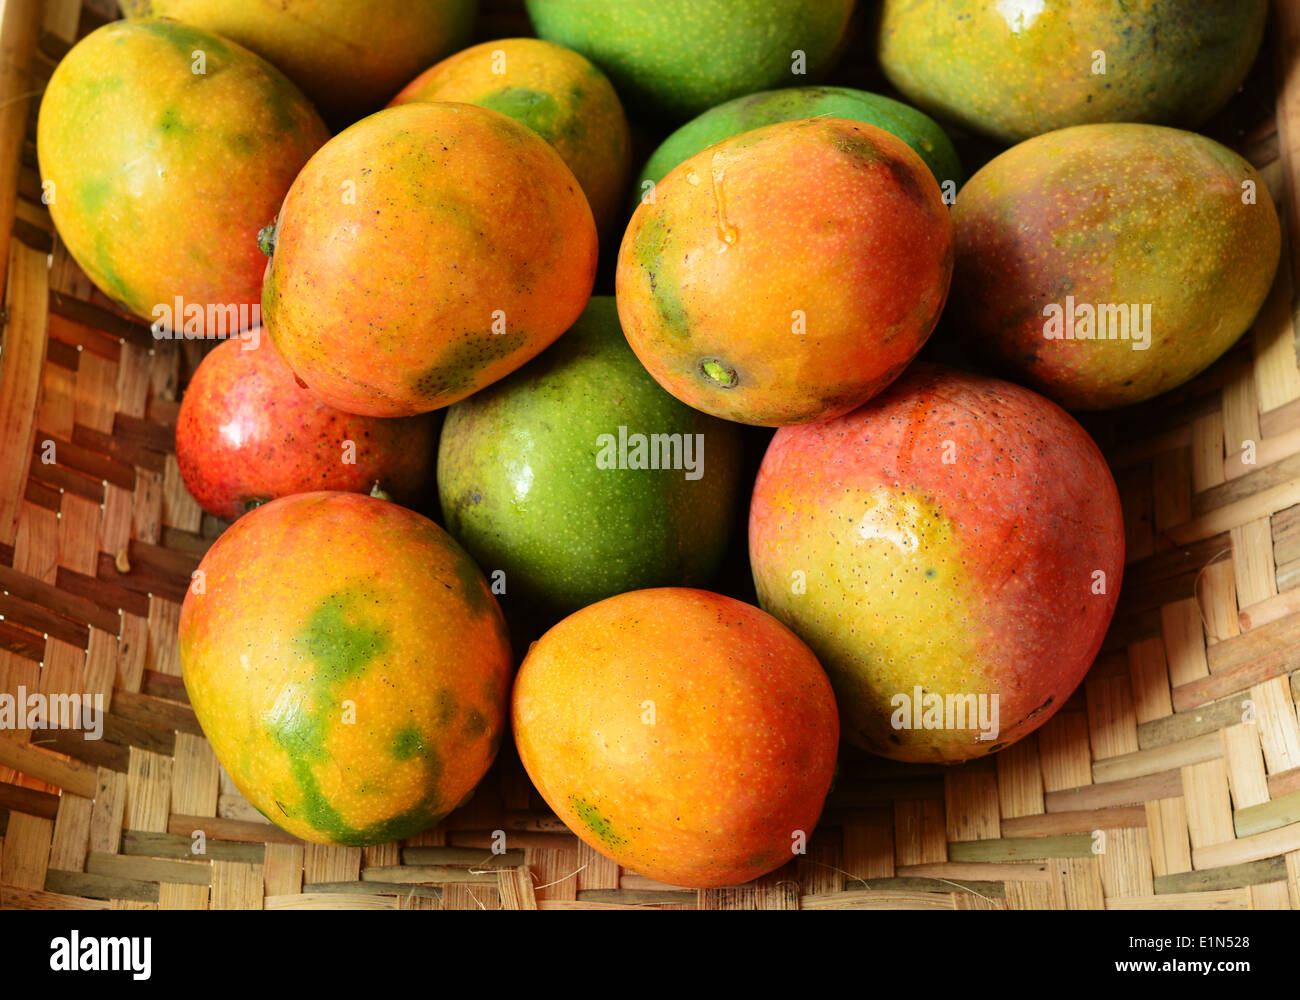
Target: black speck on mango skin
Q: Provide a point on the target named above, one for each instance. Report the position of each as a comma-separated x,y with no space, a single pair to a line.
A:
650,246
339,645
458,368
596,822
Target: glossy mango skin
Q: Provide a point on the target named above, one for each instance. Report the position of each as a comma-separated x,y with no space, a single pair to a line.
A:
161,176
424,253
522,490
348,57
557,93
686,735
1122,214
768,107
248,433
1011,70
348,664
786,274
677,58
946,535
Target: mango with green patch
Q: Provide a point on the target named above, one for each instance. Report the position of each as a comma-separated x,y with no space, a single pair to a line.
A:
163,149
685,735
557,93
424,253
952,552
769,107
1012,69
677,58
348,664
349,57
1106,264
786,274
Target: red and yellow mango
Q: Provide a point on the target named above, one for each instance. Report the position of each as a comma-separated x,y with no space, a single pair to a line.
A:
786,274
957,538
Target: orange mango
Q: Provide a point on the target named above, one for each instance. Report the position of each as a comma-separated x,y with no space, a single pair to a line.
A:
424,253
688,736
786,274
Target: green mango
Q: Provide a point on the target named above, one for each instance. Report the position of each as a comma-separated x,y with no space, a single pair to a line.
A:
676,58
753,111
534,481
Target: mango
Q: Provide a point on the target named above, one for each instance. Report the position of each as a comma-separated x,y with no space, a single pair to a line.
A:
579,478
348,57
786,274
424,253
1011,69
753,111
677,58
952,552
163,150
1106,264
348,664
248,433
555,92
685,735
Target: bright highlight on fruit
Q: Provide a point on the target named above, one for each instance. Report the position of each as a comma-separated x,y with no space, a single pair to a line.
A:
958,536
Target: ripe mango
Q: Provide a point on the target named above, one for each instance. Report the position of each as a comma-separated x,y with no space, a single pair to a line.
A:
786,274
1161,240
424,253
957,538
349,57
163,150
555,92
686,735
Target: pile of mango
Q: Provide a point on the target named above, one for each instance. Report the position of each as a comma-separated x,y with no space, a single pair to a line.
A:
508,339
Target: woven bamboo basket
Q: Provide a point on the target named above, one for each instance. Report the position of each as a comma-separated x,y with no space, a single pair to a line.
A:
1170,780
